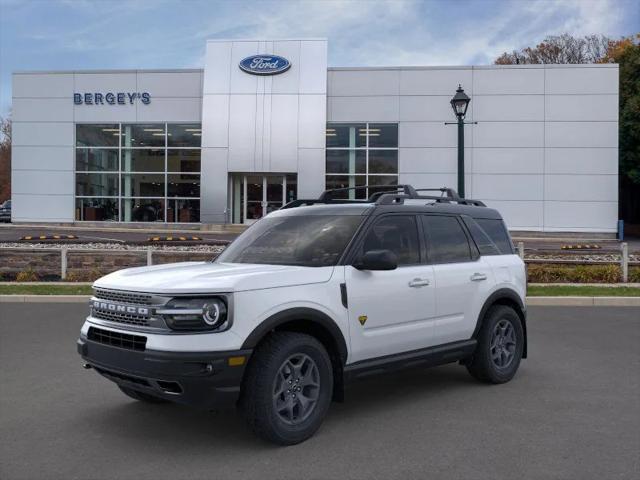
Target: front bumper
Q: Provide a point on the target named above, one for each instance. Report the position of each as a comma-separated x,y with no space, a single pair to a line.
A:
200,379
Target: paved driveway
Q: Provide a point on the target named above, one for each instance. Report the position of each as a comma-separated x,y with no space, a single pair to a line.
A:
572,412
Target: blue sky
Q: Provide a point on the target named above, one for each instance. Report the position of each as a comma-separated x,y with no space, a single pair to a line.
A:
105,34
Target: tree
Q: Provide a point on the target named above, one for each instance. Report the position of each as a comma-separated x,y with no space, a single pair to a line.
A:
600,49
5,159
626,53
563,48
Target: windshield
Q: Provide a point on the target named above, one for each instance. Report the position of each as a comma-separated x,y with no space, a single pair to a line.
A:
310,241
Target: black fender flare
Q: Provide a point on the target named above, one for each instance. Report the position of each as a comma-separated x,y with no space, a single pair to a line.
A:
499,296
299,313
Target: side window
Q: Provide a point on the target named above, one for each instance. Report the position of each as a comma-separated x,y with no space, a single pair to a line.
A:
398,233
446,240
485,245
498,233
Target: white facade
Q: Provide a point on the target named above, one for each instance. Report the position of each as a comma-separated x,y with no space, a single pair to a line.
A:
544,150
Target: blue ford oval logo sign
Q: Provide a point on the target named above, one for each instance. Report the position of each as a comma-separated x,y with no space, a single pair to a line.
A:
265,64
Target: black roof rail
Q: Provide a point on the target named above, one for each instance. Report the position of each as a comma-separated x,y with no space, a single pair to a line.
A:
450,192
407,190
301,202
392,194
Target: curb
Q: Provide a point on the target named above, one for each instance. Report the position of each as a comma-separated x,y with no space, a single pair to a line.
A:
584,301
531,301
44,298
608,285
73,284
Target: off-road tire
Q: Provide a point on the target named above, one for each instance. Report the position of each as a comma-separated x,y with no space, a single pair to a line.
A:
141,396
482,365
263,376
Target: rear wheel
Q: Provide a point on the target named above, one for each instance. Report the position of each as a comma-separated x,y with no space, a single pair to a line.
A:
500,344
287,388
141,396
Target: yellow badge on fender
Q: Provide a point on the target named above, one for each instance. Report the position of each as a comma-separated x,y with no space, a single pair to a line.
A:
362,319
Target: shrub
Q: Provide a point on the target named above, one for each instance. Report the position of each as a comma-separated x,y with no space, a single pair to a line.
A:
545,273
634,274
84,275
27,275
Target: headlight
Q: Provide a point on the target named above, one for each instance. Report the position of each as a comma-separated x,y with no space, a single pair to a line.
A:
196,314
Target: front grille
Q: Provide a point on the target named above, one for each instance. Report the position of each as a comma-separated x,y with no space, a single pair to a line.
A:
123,297
128,318
117,339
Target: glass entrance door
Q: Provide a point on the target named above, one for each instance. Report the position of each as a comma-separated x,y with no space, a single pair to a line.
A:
274,198
254,198
253,195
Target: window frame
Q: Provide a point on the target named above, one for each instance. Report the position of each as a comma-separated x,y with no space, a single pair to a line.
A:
355,249
474,254
366,148
121,173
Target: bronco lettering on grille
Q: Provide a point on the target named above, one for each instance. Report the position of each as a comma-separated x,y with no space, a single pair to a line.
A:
117,308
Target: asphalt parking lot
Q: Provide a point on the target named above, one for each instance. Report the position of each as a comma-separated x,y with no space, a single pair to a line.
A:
572,412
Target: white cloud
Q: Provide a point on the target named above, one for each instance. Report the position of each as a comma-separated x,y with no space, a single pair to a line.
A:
405,32
167,33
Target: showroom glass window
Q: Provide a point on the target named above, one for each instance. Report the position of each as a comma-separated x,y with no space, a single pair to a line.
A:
361,154
138,172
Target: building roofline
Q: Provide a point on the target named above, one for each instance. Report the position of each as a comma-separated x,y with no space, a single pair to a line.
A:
480,67
337,69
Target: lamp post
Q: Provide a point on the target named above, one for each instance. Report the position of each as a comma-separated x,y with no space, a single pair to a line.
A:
460,103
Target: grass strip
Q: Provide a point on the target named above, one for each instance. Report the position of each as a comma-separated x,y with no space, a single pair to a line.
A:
582,291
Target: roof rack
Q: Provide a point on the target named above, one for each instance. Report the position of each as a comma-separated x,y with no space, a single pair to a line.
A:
390,195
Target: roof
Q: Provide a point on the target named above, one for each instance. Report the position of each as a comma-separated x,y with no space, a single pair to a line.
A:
369,208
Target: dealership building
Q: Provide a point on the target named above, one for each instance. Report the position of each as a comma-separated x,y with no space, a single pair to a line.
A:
266,122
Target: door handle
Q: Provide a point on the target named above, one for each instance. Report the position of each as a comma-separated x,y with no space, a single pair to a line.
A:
419,282
476,277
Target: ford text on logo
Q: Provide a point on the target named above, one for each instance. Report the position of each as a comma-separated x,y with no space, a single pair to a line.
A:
265,64
110,98
116,308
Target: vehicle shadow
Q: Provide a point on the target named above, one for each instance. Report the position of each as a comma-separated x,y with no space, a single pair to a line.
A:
175,426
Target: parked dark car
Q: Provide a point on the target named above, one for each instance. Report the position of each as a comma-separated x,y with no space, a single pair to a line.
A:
5,211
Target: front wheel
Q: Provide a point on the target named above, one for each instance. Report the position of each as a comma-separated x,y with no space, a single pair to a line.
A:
500,345
288,387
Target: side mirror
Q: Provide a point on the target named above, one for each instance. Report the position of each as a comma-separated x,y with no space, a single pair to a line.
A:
377,260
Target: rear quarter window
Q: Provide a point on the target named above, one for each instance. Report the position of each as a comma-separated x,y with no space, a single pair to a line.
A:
497,232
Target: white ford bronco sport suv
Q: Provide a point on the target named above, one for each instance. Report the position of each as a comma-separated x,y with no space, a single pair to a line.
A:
311,297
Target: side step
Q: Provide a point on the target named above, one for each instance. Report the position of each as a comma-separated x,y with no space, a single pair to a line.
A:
426,357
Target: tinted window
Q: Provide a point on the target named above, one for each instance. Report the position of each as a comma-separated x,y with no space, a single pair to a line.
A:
485,245
383,135
446,240
498,233
184,135
104,135
398,234
310,241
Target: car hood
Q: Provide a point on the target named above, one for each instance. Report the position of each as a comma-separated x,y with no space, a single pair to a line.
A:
208,277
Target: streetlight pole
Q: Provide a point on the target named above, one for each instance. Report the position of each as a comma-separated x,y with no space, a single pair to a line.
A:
461,156
459,104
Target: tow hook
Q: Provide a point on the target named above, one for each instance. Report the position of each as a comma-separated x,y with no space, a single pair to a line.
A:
86,366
